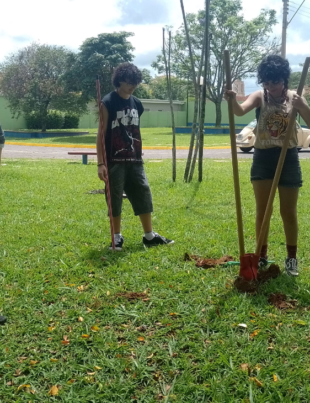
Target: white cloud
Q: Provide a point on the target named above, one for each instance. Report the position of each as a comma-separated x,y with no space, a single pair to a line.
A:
70,22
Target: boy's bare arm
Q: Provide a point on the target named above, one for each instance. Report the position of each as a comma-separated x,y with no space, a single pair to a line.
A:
102,170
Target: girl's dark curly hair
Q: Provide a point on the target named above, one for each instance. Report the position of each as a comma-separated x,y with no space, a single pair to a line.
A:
126,72
274,68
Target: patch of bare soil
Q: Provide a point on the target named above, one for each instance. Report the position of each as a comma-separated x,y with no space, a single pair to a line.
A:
131,295
263,276
280,301
208,263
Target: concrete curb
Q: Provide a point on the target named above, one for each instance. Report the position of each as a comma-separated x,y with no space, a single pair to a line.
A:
15,143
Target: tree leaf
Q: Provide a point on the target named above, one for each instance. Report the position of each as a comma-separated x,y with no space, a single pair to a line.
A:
54,391
94,328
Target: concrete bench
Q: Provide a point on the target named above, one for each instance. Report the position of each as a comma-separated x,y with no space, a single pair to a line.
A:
84,155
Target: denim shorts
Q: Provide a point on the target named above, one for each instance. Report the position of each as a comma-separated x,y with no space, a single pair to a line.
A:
265,164
129,177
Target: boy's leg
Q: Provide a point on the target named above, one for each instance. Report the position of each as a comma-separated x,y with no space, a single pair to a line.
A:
139,194
116,180
146,221
117,224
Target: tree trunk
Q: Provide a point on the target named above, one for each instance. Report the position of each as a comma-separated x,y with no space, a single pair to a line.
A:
204,90
193,72
218,108
168,75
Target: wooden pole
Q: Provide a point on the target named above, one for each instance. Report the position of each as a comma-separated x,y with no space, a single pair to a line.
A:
234,154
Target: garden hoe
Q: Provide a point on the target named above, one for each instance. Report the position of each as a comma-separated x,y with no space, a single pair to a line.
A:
107,184
248,262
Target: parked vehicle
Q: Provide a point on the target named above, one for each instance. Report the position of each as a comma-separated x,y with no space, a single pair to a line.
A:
246,138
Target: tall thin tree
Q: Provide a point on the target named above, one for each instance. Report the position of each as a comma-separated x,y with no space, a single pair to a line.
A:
204,89
168,75
193,73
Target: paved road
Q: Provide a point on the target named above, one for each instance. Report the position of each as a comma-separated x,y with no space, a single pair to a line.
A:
34,152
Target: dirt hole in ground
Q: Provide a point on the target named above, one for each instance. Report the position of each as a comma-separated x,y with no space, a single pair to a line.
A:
280,301
263,276
131,295
208,263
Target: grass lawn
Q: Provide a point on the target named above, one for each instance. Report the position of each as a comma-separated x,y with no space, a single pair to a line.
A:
70,333
156,136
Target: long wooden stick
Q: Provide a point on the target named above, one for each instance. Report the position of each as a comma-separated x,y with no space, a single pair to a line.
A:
290,128
104,155
234,154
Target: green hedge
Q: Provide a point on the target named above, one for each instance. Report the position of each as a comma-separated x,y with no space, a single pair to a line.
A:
55,120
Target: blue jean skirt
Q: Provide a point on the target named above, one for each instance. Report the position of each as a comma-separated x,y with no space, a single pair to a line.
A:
265,163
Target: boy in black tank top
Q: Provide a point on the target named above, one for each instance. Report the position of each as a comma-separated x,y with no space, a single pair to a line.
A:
121,113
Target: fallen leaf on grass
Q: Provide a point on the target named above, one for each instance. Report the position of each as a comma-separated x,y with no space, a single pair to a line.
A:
54,391
65,341
258,383
85,336
91,373
150,356
243,325
255,333
173,314
10,383
94,328
89,310
141,339
275,378
245,367
18,372
51,328
108,293
80,288
71,381
54,360
80,319
33,362
300,322
97,368
23,387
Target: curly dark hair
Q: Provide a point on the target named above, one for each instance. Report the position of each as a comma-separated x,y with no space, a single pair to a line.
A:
126,72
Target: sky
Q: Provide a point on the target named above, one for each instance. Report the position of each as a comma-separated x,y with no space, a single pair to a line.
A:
69,22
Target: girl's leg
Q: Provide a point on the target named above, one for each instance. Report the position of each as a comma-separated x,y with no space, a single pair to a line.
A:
288,209
261,190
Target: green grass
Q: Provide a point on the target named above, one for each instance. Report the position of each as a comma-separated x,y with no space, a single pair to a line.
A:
53,237
158,136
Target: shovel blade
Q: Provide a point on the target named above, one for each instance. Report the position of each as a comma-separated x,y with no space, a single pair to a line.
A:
249,266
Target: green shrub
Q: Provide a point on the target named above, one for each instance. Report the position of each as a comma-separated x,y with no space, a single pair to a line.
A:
55,120
71,121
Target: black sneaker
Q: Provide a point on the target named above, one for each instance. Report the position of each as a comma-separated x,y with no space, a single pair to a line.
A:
2,320
157,240
262,263
118,243
291,266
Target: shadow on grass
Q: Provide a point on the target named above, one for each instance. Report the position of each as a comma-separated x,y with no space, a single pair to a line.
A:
193,196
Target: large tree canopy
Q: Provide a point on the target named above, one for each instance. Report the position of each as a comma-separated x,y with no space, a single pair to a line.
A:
32,80
247,41
98,56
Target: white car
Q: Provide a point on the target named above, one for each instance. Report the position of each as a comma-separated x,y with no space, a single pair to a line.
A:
246,138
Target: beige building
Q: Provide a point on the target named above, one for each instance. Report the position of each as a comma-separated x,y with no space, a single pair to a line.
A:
238,87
